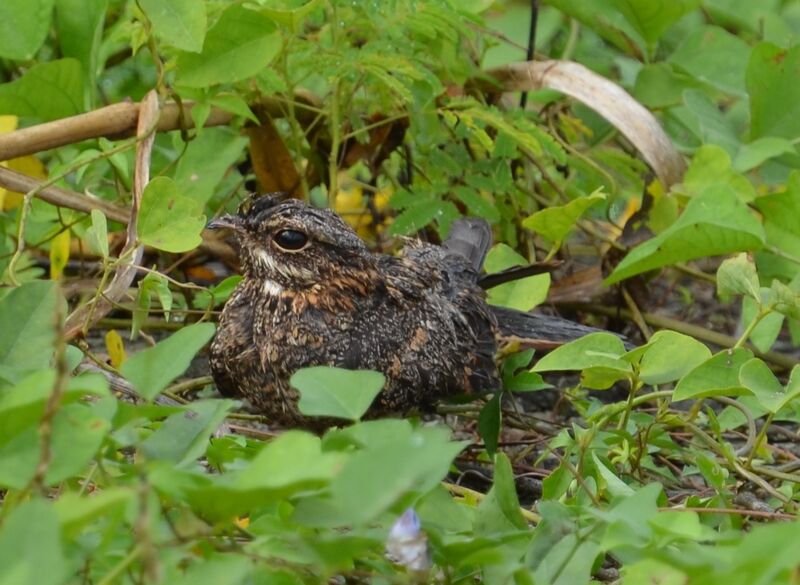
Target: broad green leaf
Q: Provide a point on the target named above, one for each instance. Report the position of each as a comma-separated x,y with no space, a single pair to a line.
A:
220,569
753,154
80,27
711,166
28,325
76,511
97,234
738,276
710,124
523,294
154,284
295,458
374,479
168,219
183,437
756,376
779,211
718,376
23,27
46,91
477,204
291,19
180,23
206,160
608,481
766,332
555,223
613,26
78,434
660,85
787,298
668,356
774,91
152,369
489,423
219,292
714,56
238,46
31,552
714,223
651,18
499,511
596,350
336,392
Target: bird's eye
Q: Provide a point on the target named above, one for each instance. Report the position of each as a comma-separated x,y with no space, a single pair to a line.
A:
291,240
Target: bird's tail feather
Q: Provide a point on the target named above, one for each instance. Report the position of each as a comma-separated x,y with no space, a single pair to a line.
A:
471,237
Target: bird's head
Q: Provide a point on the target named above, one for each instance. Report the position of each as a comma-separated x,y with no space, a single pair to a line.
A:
294,245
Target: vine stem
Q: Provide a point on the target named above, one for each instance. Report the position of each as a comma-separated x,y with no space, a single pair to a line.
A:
759,438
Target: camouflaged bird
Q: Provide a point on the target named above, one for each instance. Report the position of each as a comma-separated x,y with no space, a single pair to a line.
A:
313,294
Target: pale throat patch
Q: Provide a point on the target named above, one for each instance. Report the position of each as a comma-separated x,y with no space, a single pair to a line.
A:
272,288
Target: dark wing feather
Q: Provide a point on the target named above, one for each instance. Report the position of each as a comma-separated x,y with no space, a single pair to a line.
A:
471,237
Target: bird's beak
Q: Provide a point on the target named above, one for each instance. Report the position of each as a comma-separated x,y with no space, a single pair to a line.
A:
225,221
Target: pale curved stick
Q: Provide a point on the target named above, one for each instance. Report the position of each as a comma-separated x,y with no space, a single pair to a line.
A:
608,99
83,317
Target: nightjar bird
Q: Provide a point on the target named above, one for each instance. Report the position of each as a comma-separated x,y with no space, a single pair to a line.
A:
313,294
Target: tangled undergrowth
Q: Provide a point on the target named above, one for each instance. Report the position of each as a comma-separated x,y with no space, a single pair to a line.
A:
653,155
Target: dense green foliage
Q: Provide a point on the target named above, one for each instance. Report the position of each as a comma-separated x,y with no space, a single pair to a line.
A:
386,111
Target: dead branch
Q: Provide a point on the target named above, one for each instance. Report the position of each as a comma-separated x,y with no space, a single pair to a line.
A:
605,97
83,317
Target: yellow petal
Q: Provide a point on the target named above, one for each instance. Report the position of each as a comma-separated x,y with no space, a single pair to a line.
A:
115,348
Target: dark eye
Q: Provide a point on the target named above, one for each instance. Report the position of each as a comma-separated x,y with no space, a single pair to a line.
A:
291,239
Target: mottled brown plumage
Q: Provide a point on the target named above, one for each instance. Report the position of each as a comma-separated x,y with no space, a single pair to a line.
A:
313,294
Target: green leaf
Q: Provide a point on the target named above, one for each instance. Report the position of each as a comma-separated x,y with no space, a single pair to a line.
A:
238,46
152,284
220,292
23,27
753,154
523,294
738,276
714,223
651,18
756,376
489,423
180,23
499,511
169,220
46,91
779,211
415,217
183,437
78,434
766,332
80,27
30,546
718,376
596,350
374,479
670,355
555,223
712,126
221,569
336,392
208,157
152,369
613,26
610,482
97,234
27,320
715,56
774,91
711,166
76,511
294,459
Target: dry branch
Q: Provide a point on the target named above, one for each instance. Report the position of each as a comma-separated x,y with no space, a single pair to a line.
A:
605,97
83,317
21,183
